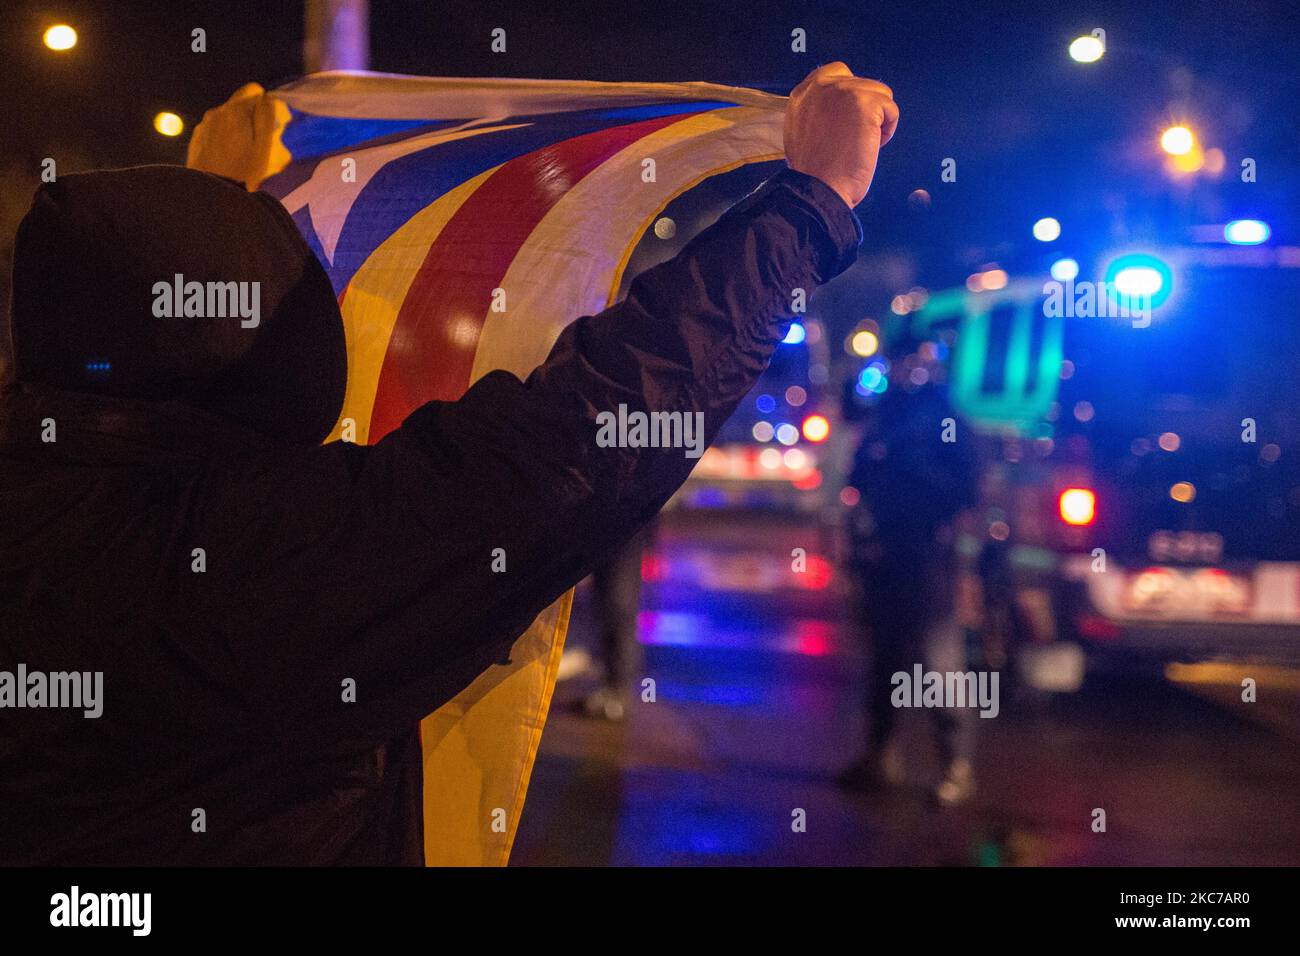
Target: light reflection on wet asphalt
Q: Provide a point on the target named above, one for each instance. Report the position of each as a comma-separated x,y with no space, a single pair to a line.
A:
758,704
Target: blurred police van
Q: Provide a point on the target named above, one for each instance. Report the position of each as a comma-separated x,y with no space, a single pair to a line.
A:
1140,490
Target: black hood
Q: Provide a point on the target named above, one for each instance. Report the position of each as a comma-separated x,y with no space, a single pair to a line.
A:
91,259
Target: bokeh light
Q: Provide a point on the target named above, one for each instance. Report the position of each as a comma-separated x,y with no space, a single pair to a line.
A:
1138,281
1086,49
1177,141
60,37
990,280
169,124
864,343
1246,232
1141,276
1078,506
795,459
1047,229
1063,270
816,428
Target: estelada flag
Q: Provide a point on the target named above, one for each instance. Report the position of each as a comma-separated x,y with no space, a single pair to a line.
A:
463,223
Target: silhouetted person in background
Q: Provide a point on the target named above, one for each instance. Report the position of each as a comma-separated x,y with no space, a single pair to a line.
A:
913,486
616,601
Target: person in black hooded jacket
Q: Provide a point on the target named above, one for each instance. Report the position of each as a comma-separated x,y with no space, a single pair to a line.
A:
134,446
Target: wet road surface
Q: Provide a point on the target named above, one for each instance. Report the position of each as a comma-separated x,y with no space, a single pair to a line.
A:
757,705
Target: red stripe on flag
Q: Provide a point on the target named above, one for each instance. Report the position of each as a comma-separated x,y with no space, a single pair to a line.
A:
431,353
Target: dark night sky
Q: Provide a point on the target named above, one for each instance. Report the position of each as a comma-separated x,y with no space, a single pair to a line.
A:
987,84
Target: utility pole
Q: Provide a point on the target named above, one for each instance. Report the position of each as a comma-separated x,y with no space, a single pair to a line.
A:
336,35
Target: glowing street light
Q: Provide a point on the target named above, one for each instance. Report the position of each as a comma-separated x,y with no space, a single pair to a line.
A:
169,124
1087,49
1177,141
60,37
1047,229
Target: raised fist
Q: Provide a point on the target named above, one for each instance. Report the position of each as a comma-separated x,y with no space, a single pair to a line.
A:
835,125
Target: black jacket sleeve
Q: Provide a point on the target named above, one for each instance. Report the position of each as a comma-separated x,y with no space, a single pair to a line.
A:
377,563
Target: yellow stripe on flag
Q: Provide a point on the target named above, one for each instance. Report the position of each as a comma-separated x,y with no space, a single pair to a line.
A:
479,749
374,298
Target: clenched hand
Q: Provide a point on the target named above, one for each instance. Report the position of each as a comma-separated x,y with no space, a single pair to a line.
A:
835,125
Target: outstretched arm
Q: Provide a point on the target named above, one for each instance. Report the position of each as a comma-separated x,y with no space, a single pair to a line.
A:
403,580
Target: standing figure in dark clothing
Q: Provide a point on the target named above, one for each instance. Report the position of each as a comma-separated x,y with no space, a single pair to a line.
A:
616,599
171,522
915,473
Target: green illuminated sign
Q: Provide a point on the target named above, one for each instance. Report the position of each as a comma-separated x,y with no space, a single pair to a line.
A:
1006,360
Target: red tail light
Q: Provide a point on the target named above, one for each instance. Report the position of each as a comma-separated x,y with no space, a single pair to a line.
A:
1098,628
1078,506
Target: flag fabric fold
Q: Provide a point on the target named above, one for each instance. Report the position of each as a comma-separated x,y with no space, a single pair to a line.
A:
463,223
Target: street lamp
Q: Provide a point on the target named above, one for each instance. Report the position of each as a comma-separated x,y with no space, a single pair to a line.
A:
168,124
1087,49
60,37
1177,141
